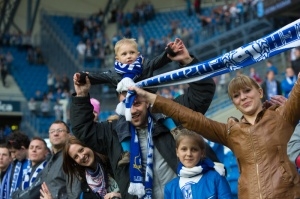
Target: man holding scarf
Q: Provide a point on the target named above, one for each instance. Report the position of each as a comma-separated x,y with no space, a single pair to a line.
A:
153,161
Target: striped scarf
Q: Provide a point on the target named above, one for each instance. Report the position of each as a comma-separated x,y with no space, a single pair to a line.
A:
20,169
5,185
27,181
133,71
277,42
141,185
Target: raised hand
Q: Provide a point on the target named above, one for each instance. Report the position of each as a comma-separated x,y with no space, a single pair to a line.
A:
81,89
149,97
182,54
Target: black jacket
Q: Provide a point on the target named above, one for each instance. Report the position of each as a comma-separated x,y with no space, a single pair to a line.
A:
103,138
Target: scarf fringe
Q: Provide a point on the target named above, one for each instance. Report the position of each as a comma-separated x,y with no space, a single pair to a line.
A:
137,189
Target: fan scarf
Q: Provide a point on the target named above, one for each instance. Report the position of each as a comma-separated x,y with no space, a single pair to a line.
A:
284,39
27,181
141,185
133,71
20,169
5,185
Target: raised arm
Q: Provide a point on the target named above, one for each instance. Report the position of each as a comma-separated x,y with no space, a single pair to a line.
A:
178,51
188,118
81,116
107,77
199,94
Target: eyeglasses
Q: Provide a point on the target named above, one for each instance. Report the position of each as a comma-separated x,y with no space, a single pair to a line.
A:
51,131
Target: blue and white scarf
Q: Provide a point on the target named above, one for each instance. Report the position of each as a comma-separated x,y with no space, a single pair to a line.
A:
5,185
202,167
20,169
277,42
16,175
27,181
133,71
189,176
141,185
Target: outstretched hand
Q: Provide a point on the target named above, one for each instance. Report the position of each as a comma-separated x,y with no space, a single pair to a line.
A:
182,54
81,89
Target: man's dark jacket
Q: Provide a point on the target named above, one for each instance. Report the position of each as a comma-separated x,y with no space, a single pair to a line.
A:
103,138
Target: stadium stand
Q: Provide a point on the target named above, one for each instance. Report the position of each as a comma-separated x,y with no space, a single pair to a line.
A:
58,43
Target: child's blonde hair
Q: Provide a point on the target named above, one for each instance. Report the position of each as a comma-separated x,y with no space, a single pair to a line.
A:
125,41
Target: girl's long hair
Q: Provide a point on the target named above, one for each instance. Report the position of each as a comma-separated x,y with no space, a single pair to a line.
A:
72,169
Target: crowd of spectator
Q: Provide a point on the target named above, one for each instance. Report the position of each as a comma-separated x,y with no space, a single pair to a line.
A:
141,13
94,43
228,16
48,103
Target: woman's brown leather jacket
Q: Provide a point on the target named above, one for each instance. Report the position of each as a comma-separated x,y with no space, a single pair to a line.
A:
260,149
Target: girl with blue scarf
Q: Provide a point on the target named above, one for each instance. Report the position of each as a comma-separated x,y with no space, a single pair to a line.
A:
198,177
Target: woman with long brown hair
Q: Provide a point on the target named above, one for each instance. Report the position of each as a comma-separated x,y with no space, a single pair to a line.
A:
83,163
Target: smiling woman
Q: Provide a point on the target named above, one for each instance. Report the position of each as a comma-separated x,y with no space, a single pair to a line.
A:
259,139
83,163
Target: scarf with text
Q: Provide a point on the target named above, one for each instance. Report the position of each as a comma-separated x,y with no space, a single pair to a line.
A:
279,41
19,171
140,185
284,39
